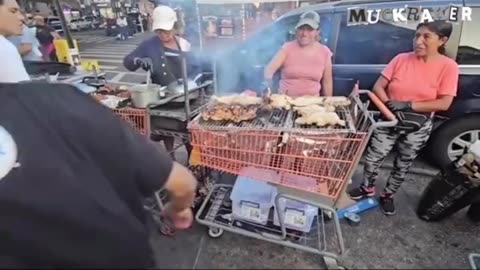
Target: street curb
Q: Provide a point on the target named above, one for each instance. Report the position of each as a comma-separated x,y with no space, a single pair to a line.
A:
413,170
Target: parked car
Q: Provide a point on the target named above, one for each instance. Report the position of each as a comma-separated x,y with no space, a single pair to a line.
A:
78,24
94,21
360,52
55,23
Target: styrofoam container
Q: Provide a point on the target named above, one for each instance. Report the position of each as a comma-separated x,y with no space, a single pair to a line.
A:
252,200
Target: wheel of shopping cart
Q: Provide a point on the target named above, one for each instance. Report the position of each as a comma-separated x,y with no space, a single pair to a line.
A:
215,232
332,263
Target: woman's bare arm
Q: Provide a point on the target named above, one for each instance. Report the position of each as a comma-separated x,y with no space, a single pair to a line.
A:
380,88
327,79
440,104
274,65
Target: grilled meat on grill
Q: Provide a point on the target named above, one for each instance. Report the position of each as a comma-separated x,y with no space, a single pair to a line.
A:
236,113
321,119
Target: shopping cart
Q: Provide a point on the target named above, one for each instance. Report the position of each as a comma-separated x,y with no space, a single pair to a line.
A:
137,118
304,165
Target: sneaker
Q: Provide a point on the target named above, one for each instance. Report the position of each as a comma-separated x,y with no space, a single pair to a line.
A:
387,205
361,192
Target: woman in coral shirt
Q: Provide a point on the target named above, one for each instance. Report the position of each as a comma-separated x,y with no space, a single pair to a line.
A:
414,85
305,63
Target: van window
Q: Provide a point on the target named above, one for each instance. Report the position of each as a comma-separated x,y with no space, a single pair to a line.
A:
373,43
469,48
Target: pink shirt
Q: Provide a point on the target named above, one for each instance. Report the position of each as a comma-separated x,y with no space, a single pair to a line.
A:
411,79
303,69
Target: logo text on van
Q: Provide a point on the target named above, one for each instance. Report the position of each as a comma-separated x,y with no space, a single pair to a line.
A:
358,16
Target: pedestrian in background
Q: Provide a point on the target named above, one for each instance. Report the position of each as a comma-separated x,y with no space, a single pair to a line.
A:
46,36
27,43
122,25
11,24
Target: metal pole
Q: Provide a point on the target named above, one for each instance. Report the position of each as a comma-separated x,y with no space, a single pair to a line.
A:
244,23
185,85
199,22
68,36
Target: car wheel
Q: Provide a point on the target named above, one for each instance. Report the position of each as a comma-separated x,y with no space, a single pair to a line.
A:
450,140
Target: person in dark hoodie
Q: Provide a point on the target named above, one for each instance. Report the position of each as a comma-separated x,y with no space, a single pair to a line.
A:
71,196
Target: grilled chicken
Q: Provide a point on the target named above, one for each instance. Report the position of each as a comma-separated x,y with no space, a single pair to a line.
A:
279,101
313,109
315,100
321,119
336,101
244,100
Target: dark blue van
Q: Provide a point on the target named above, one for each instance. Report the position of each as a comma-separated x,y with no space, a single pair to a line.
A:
362,51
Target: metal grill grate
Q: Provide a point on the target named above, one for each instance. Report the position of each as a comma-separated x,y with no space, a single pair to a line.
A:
279,119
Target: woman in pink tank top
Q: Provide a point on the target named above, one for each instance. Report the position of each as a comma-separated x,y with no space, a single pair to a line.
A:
306,65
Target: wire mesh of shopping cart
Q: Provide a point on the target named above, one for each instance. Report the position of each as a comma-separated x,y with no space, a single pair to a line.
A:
274,142
304,164
137,118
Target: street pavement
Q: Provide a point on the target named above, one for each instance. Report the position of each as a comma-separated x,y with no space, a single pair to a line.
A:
109,52
91,37
400,241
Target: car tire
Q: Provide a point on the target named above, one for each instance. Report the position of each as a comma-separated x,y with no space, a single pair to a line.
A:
443,138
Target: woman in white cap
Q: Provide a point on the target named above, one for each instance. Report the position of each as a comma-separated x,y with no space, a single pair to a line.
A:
151,54
305,63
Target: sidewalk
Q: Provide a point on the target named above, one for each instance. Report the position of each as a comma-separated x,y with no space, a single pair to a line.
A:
400,241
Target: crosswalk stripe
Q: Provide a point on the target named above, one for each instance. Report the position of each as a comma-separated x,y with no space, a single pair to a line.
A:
108,67
105,54
108,50
111,48
101,56
114,61
95,39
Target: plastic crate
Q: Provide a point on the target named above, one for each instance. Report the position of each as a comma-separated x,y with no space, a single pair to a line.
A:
252,200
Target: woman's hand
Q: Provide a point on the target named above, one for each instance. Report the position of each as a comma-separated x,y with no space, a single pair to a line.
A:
144,63
181,219
399,106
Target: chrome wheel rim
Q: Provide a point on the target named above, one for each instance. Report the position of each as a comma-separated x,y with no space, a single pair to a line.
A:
457,146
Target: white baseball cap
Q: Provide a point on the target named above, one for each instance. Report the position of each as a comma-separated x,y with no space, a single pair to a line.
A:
164,18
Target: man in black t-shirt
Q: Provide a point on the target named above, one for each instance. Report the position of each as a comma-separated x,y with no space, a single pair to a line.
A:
72,179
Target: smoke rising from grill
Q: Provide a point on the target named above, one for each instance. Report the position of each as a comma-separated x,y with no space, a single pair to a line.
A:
241,66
